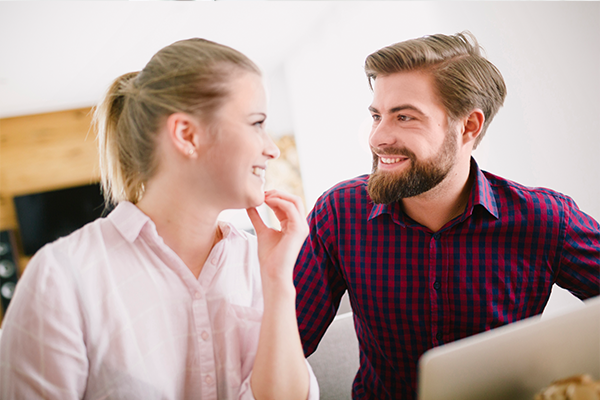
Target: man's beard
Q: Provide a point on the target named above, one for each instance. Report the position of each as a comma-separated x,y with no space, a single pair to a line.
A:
389,187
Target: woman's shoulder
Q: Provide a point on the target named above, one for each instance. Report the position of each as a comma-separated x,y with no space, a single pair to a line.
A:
101,235
85,241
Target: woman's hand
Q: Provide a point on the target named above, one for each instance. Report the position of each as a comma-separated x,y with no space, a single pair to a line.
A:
278,250
280,370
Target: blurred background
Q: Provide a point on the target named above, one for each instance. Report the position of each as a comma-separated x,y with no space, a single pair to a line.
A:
58,58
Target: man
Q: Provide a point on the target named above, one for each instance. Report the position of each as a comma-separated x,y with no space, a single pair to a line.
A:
430,248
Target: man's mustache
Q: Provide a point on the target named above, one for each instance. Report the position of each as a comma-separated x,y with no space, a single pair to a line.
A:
392,151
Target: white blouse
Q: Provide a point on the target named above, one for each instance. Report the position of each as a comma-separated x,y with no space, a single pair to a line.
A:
111,312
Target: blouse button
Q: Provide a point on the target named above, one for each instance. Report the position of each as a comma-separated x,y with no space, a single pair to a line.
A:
204,335
197,295
208,379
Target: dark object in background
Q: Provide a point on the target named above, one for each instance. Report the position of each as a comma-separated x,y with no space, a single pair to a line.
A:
9,267
46,216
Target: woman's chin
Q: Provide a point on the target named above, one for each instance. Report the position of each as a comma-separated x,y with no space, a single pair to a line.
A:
255,200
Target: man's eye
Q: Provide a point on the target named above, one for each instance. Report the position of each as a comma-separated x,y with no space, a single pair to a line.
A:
376,117
404,118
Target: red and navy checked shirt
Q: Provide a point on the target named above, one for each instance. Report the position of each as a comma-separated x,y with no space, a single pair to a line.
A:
412,289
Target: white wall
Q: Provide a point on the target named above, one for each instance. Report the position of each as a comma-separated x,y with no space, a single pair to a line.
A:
547,133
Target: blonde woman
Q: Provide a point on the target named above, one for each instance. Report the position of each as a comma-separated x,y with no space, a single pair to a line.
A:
160,300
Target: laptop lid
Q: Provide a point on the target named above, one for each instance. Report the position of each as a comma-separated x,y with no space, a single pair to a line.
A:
514,361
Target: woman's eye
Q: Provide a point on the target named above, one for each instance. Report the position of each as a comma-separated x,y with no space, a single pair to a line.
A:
259,123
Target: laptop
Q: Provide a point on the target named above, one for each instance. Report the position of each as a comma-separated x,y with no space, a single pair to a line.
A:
515,361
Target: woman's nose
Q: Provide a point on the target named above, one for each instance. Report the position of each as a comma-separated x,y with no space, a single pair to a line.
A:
271,150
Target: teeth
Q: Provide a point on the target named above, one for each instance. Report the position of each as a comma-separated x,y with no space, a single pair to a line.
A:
260,172
389,160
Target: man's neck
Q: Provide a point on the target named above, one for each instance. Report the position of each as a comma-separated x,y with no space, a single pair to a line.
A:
440,205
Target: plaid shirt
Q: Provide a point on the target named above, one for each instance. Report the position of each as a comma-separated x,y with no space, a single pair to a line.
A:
412,289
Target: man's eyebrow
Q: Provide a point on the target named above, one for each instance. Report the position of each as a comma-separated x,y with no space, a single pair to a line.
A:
398,109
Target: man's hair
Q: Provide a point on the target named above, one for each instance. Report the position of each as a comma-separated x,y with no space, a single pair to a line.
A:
464,78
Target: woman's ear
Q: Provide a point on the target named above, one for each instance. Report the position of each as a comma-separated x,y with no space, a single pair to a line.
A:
472,125
185,132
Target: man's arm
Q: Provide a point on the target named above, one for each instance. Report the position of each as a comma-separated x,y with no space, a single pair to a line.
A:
579,264
317,277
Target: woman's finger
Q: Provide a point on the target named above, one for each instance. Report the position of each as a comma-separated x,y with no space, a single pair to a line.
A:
288,197
256,220
284,210
292,222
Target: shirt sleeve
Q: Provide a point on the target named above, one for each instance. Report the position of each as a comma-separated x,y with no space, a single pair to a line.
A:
42,352
580,256
319,283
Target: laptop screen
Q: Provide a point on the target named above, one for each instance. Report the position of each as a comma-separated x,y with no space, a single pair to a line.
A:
515,361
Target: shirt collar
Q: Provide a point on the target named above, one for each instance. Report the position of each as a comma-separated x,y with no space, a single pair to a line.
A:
481,194
128,220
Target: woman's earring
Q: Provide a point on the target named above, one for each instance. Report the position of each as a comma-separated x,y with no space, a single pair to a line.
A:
191,151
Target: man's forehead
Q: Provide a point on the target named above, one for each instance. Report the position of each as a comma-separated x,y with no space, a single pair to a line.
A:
404,88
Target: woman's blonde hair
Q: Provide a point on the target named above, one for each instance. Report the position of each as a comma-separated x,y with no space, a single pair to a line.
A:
190,76
465,80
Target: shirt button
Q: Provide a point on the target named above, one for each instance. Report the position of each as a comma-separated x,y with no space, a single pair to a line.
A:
437,285
204,335
208,379
436,236
438,336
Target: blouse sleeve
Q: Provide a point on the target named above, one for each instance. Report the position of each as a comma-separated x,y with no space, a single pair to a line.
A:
42,351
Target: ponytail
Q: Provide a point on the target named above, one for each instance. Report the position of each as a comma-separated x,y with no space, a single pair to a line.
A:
114,173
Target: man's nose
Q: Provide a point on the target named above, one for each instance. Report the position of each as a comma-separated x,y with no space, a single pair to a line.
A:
382,134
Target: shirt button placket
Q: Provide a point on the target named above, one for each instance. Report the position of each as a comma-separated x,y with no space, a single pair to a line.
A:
435,295
205,347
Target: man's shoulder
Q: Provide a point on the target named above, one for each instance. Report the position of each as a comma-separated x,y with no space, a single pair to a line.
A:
355,188
529,194
346,199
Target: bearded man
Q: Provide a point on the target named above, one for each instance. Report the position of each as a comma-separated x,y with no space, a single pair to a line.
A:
430,248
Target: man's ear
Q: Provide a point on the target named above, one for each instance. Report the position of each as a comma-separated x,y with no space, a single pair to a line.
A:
472,125
185,132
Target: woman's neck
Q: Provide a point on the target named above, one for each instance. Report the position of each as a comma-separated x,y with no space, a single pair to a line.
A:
187,226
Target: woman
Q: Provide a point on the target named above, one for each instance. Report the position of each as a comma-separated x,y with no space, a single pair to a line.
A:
160,300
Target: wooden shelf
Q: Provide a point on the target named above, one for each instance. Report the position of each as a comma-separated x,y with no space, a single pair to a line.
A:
44,152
